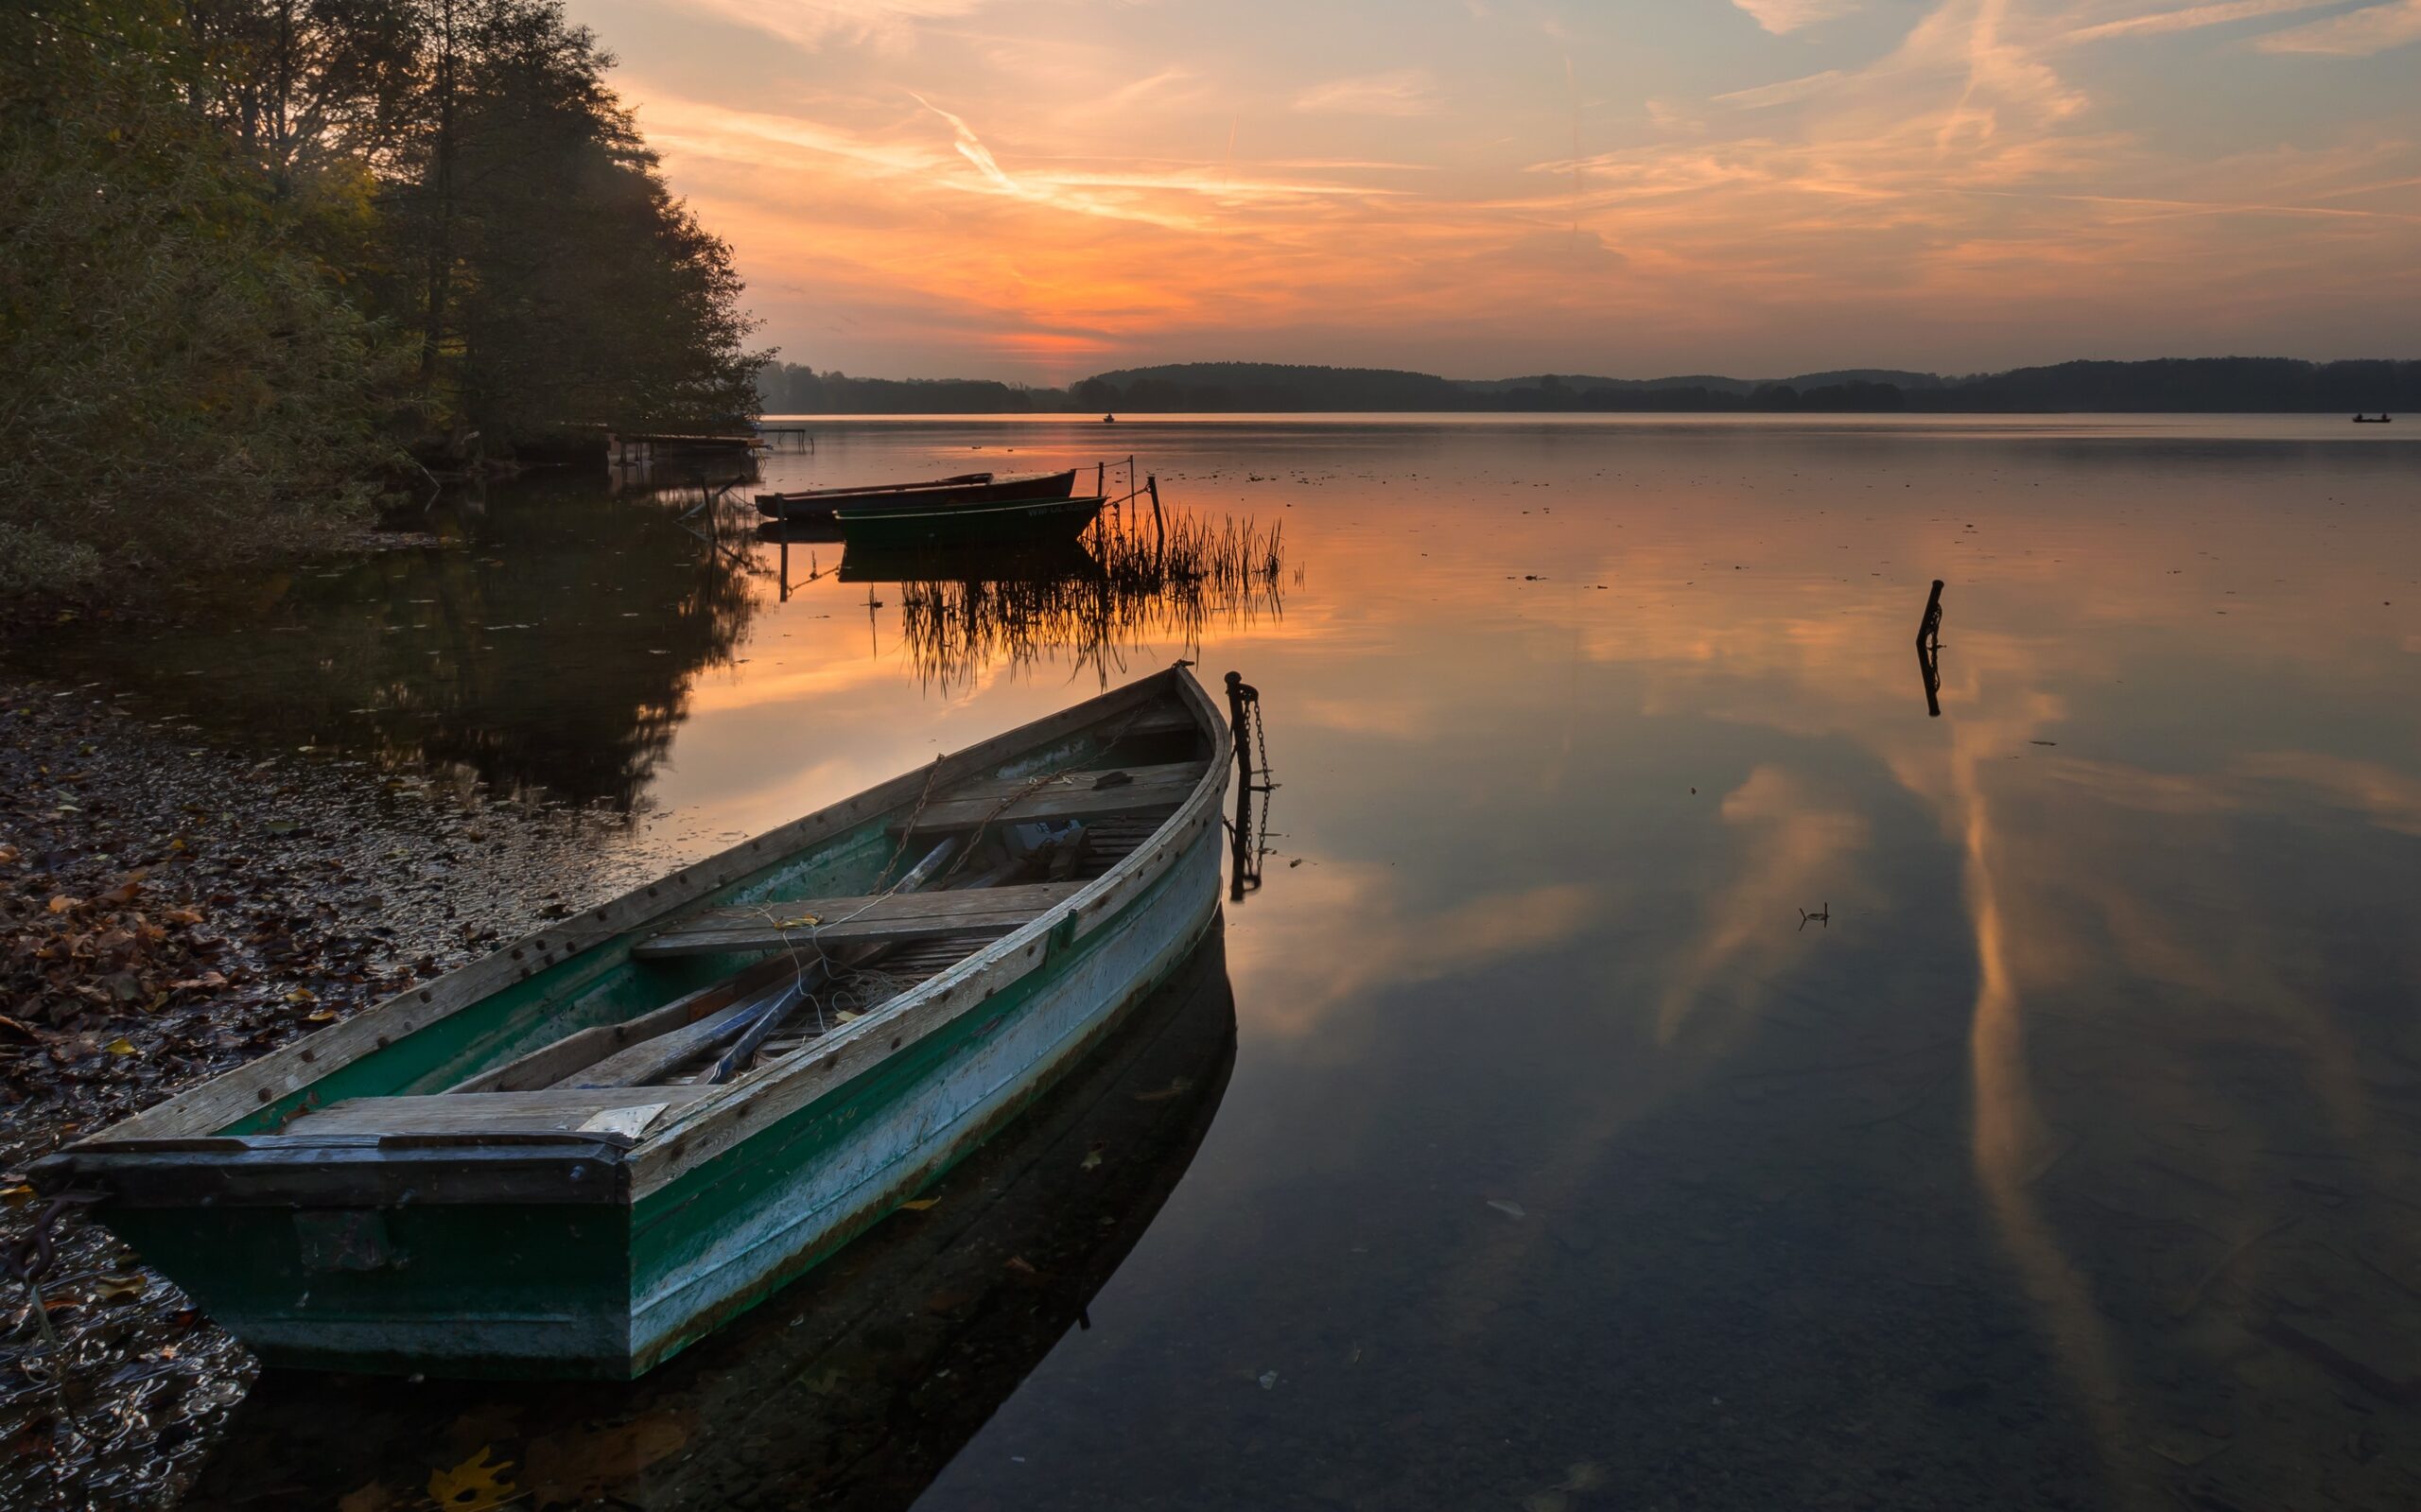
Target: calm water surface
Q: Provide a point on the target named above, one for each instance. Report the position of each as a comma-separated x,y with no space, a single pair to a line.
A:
2067,1157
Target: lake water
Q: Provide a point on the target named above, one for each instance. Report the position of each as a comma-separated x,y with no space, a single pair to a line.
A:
2069,1155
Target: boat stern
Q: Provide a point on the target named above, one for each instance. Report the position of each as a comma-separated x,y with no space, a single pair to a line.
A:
368,1254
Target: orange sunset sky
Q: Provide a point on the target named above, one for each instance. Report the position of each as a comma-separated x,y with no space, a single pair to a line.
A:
1040,189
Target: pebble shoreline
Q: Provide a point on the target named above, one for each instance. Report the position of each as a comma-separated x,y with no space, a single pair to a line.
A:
173,909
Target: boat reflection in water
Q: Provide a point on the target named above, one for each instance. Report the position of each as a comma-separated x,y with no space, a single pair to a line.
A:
854,1387
1128,583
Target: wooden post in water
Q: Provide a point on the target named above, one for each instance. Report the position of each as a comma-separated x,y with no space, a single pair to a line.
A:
1159,527
1929,628
1929,653
1243,854
1240,693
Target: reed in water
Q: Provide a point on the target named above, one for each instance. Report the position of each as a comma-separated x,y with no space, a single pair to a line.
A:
1130,585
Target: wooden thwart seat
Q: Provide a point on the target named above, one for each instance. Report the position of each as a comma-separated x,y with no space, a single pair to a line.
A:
608,1110
823,922
1155,720
1068,795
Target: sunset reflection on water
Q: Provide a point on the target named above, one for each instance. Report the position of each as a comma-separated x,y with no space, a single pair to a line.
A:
2069,1158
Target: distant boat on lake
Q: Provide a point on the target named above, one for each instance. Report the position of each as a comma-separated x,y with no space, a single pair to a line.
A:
888,526
965,488
2383,418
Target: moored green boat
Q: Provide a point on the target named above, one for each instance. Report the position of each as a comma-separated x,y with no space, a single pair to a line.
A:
893,527
530,1167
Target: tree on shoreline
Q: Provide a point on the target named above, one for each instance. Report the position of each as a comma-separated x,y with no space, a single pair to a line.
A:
185,382
254,253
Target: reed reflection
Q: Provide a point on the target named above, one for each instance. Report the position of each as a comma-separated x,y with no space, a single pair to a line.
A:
1128,582
855,1386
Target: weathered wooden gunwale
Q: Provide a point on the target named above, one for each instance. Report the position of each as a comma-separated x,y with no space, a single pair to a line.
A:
557,1110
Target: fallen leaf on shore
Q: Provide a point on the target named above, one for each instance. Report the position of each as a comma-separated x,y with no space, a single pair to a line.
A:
918,1205
302,994
120,1046
62,903
473,1485
119,1288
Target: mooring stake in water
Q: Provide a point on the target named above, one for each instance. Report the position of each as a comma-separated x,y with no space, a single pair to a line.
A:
1929,651
1244,837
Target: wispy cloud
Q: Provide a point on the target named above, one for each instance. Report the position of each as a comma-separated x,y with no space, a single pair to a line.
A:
2193,18
1788,92
1403,92
2355,34
883,24
1785,16
973,148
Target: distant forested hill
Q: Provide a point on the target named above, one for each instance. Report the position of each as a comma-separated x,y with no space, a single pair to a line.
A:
2170,384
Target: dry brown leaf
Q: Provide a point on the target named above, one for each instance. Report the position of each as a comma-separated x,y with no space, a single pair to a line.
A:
473,1485
62,903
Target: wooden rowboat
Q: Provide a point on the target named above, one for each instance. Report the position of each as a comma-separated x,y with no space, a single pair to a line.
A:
813,504
893,527
528,1168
